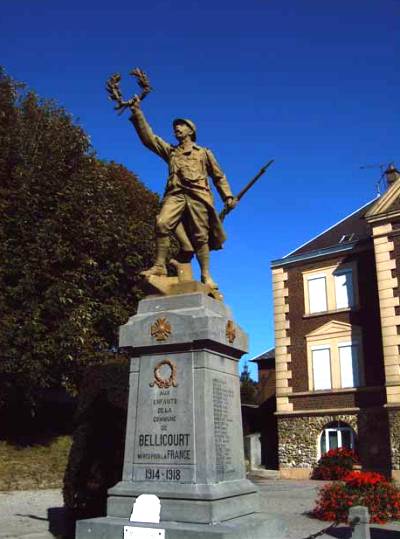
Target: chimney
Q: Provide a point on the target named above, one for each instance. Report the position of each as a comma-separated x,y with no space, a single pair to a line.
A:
391,175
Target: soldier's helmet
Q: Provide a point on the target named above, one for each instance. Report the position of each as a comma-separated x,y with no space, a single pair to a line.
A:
187,122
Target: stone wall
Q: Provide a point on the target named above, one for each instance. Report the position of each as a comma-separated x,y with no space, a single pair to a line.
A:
376,435
299,438
394,422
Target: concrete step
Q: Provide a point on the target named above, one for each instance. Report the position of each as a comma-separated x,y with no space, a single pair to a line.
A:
263,473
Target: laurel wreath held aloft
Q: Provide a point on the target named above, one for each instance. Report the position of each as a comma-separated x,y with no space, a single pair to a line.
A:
114,90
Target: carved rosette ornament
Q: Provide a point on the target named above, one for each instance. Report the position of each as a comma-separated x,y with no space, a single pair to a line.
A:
166,381
230,331
161,329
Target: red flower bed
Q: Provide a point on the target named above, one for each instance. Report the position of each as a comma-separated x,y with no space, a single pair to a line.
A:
363,479
335,464
359,488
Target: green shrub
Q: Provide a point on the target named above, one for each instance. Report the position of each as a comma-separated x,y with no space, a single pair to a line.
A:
96,458
75,233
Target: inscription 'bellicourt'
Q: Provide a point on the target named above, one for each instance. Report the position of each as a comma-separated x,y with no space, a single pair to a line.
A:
155,440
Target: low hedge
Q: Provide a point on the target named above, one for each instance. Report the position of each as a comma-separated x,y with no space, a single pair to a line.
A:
96,457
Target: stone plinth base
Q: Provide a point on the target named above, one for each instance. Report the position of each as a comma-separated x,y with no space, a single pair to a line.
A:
201,504
184,437
255,526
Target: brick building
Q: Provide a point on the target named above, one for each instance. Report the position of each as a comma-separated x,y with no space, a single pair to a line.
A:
337,337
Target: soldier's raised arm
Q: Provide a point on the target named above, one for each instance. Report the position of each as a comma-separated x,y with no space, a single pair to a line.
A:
155,143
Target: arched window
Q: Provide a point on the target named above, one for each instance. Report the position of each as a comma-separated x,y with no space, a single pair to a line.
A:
334,435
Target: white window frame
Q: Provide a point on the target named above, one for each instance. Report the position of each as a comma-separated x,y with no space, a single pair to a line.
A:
356,374
336,337
331,299
315,277
316,348
350,297
325,433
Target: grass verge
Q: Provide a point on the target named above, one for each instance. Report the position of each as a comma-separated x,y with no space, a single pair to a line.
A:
35,466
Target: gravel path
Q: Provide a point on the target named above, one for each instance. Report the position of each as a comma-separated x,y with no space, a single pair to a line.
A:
24,513
30,514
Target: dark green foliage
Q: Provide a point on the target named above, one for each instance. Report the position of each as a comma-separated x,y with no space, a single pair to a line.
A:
248,387
74,234
96,456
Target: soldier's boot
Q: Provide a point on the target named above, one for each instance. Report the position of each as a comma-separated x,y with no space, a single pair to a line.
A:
203,256
159,267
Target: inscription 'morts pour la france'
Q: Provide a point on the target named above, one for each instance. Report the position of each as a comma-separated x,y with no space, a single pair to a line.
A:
164,440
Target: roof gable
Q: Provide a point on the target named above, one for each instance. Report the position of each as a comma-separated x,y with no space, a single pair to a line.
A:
330,329
387,204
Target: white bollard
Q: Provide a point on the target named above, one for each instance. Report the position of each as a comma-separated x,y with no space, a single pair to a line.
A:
359,522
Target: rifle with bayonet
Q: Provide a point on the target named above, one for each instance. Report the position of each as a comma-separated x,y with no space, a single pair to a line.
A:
226,210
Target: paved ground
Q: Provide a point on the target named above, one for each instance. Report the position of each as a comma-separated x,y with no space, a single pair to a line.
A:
31,514
25,513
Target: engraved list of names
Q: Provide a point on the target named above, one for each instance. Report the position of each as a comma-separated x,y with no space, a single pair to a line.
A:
223,396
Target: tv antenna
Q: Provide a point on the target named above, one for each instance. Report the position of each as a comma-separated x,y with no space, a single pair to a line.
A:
380,183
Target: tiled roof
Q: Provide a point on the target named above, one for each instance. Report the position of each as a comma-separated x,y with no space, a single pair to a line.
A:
269,354
352,228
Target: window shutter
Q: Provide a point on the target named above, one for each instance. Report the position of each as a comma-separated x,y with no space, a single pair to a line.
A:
344,289
322,368
349,371
317,294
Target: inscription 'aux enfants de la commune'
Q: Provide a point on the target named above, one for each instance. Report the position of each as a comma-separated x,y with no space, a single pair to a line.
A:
164,446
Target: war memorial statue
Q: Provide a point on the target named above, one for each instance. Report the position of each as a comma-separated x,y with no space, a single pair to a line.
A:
187,211
187,208
184,436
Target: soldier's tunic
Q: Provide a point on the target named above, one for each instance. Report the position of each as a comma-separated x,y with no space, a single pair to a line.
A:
187,198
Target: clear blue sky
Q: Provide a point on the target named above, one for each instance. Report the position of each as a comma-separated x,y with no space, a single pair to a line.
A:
313,84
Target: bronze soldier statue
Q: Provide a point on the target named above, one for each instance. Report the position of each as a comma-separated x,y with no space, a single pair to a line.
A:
187,208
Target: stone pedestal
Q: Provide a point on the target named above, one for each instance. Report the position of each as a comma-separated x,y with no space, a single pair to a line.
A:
184,440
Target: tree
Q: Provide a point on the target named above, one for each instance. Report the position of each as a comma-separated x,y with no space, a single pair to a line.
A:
74,234
248,387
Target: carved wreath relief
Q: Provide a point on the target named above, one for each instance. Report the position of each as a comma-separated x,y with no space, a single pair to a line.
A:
230,331
161,329
164,374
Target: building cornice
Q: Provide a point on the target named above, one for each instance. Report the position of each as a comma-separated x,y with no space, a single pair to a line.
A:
320,411
320,253
387,216
340,390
